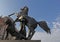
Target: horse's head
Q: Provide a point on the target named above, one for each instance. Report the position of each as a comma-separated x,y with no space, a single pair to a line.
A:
25,10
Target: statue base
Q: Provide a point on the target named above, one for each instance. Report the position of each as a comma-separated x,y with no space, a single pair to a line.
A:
20,40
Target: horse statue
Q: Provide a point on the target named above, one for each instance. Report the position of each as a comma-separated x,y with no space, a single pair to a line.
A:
9,28
31,23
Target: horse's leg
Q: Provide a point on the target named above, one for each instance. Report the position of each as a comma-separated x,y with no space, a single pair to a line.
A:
6,35
31,33
23,30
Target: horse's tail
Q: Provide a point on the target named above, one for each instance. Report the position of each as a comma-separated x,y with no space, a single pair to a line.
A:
44,26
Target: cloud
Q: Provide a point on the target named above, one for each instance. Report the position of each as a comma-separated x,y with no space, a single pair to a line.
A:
56,24
54,37
55,33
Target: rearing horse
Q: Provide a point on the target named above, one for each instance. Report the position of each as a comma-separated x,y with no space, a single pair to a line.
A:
31,23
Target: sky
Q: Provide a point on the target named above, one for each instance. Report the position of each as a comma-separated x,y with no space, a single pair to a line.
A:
48,10
55,33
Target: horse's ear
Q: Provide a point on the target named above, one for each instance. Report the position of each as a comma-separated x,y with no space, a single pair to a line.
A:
44,26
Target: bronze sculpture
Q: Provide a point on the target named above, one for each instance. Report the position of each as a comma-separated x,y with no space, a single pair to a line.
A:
31,23
25,20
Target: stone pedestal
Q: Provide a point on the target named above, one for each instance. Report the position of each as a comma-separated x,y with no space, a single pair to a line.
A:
20,40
